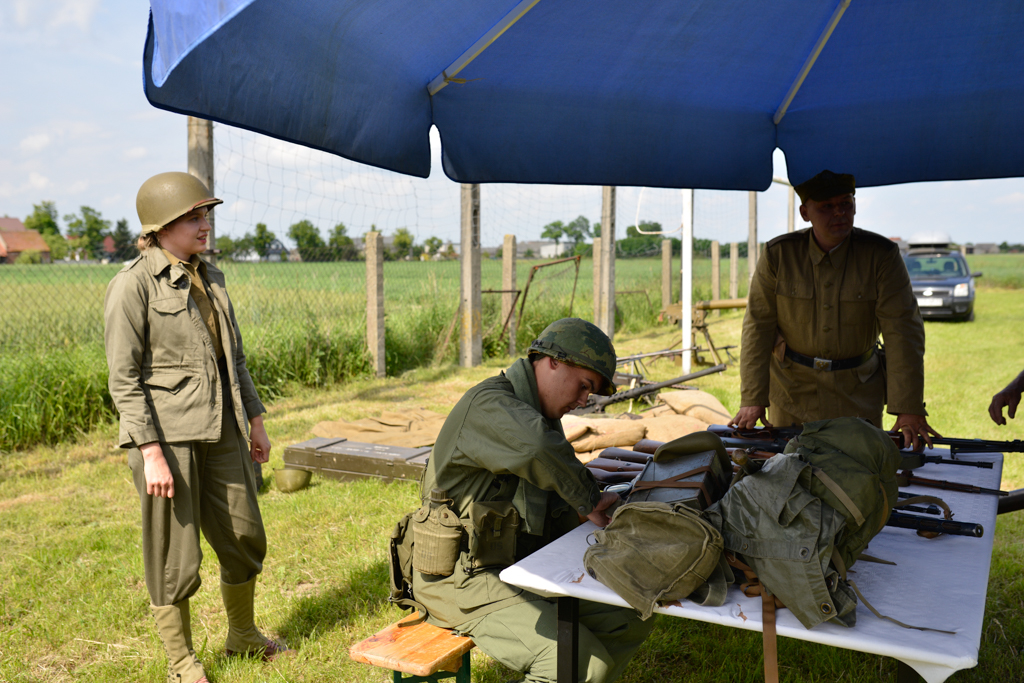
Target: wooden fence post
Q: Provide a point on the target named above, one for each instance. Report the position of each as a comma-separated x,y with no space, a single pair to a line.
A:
470,340
752,233
597,279
375,301
734,267
716,271
200,165
508,283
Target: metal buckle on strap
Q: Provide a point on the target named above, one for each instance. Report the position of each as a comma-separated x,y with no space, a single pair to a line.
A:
823,364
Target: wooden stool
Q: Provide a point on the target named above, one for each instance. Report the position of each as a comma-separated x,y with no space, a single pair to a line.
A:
424,651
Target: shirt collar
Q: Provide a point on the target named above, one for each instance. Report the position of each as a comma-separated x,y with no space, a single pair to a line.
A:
197,264
837,257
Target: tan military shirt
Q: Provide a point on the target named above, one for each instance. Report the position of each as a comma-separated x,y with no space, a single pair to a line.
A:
832,305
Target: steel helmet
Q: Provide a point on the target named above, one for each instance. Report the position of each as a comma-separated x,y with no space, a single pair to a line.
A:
169,196
581,343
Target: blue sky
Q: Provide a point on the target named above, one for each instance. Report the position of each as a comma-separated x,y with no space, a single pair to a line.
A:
76,129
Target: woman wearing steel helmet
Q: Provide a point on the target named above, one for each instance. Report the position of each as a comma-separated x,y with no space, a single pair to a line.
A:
187,408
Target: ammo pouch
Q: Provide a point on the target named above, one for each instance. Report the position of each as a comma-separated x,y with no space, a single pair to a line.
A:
493,527
438,533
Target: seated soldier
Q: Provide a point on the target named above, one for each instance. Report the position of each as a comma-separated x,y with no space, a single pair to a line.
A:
502,453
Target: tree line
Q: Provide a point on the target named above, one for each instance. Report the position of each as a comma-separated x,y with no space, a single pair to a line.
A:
83,236
86,231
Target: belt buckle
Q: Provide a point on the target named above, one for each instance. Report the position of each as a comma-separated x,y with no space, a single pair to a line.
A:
823,364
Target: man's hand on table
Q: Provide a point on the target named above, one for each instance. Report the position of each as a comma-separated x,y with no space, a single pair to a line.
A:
597,515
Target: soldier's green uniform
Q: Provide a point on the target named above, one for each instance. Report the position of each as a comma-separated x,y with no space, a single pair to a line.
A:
832,306
497,447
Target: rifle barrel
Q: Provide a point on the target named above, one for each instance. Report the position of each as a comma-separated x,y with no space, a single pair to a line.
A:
942,526
637,392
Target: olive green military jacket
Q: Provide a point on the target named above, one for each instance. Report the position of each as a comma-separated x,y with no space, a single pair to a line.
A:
163,367
497,446
832,305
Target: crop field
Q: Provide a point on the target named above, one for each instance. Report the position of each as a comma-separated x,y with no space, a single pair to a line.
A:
73,606
304,324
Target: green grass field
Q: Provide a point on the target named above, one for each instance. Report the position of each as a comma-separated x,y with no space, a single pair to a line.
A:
73,606
999,270
304,324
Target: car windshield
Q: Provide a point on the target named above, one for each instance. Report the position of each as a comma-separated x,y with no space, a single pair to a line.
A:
935,266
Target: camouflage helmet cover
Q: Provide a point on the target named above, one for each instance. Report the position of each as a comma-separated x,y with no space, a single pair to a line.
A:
168,196
581,343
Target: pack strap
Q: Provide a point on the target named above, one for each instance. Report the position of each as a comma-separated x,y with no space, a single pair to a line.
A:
674,483
769,603
946,512
837,560
836,489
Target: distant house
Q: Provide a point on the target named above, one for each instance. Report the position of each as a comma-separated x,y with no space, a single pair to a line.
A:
539,249
11,225
276,252
983,248
13,243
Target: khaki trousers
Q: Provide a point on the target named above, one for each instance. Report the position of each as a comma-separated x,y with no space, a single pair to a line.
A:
523,637
214,490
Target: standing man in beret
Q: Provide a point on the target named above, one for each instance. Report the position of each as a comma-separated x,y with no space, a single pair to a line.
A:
817,303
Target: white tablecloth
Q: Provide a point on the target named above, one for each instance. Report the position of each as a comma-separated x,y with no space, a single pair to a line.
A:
940,583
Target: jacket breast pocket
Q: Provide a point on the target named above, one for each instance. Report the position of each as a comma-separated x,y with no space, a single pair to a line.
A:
172,334
794,300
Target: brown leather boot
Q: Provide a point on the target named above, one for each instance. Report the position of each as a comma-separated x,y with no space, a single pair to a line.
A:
174,624
244,639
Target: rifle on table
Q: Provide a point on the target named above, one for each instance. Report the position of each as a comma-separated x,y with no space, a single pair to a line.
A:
612,465
905,478
775,439
934,526
597,404
758,444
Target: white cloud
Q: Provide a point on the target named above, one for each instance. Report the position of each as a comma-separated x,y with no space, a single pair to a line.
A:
1012,198
78,186
37,181
135,153
77,13
35,143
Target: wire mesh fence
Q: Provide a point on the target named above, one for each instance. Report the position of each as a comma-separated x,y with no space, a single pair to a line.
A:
290,235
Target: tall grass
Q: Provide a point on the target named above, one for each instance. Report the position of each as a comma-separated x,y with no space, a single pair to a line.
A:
999,270
303,324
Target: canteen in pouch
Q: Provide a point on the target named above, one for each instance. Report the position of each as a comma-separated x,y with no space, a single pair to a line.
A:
438,533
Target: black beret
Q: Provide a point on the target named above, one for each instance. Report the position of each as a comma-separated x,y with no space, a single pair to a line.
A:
826,185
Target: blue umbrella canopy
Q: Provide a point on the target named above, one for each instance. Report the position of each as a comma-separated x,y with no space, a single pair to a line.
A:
687,93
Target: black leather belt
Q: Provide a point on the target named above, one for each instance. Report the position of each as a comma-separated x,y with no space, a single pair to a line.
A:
827,365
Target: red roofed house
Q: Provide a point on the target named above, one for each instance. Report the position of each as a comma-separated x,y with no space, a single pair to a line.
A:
11,225
15,239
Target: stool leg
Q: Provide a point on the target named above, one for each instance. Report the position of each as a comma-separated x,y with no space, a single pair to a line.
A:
463,674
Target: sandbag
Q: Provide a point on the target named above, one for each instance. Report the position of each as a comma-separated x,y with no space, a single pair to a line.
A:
623,434
697,404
